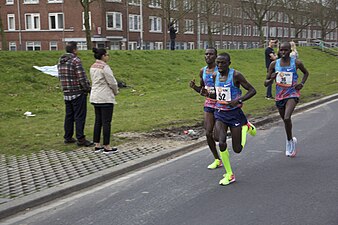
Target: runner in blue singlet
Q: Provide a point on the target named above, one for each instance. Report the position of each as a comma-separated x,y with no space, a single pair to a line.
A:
287,90
229,113
207,76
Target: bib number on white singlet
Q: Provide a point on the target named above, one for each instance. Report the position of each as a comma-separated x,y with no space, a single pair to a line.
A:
223,94
284,79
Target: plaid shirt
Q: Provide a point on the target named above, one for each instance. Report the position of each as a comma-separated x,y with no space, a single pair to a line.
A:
74,81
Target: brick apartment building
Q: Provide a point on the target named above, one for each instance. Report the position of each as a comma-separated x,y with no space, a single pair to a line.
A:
127,24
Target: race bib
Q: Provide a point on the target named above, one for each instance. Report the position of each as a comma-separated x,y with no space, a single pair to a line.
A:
211,90
223,94
284,79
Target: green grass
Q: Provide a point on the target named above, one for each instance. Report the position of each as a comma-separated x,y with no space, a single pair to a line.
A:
158,97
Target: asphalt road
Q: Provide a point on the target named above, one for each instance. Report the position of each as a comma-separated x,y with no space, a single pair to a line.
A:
270,189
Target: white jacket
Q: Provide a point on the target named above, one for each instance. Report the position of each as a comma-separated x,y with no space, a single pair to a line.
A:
104,84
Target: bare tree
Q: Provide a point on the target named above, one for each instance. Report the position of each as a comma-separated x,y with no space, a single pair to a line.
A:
174,11
260,12
3,34
325,15
86,9
209,9
298,14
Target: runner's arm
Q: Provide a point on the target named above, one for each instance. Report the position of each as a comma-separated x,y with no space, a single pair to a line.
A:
193,84
305,72
251,91
271,76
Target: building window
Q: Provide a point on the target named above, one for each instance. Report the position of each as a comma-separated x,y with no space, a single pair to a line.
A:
55,21
273,32
31,1
11,21
293,32
155,24
173,5
134,22
286,32
216,9
114,20
90,21
247,30
55,1
191,45
132,45
279,31
12,46
216,28
227,10
115,45
227,29
155,3
158,46
255,31
203,27
237,30
189,26
9,2
53,45
32,21
33,45
187,5
134,2
82,45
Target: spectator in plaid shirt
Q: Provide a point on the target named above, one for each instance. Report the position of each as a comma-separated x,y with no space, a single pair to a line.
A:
75,86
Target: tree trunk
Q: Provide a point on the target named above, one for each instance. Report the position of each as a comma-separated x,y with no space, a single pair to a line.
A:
85,4
3,35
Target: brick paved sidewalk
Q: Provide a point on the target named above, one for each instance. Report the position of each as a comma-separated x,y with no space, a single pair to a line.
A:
24,175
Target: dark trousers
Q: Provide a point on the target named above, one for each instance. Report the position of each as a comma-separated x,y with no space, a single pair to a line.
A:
269,88
172,44
76,111
269,91
103,118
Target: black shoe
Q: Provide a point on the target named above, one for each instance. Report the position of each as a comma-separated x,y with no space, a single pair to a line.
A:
85,143
70,141
108,151
98,149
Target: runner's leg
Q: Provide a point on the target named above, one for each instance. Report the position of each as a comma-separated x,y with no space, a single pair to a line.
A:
209,122
222,129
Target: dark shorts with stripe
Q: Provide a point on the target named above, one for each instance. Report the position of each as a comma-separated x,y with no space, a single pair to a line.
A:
231,118
209,109
282,103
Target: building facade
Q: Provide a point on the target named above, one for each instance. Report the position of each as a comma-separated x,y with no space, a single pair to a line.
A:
140,24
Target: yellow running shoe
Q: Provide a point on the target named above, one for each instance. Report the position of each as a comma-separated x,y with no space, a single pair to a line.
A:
216,164
251,129
228,179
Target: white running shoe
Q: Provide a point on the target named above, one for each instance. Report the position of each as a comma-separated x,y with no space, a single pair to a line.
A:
293,147
288,148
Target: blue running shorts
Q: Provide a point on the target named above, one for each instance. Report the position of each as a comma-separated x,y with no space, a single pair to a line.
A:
231,118
281,103
209,109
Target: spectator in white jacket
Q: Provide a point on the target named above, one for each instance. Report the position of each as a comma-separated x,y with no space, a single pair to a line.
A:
102,97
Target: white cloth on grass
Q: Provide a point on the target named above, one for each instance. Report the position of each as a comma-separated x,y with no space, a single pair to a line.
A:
51,70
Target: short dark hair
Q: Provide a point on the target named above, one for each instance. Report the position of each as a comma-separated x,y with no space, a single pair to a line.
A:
98,53
71,46
226,55
213,48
